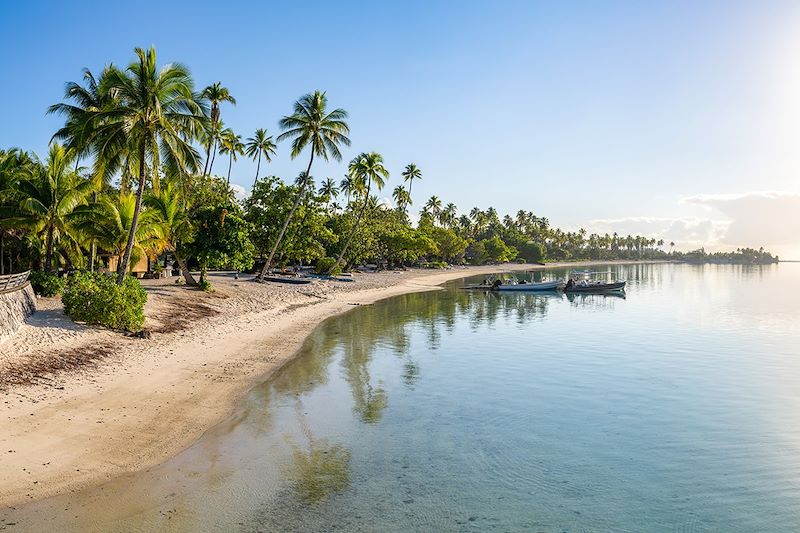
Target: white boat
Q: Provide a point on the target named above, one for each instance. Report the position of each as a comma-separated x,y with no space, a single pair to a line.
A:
529,287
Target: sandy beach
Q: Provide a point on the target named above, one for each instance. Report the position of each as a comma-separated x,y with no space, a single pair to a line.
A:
82,405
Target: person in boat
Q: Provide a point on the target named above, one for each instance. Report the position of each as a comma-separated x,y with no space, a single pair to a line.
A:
570,283
584,283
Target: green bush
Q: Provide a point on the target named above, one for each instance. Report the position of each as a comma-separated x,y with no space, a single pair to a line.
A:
96,299
434,264
46,283
325,264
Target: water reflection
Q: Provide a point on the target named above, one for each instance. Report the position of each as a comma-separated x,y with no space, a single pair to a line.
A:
459,410
320,471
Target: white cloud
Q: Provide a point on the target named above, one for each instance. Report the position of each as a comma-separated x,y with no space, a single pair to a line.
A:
756,218
687,232
239,191
770,219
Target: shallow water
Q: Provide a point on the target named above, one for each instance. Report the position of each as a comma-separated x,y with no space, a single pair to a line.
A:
676,408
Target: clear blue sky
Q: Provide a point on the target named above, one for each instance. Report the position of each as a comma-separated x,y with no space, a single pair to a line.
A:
678,119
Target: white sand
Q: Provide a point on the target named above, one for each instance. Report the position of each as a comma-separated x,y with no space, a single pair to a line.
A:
143,400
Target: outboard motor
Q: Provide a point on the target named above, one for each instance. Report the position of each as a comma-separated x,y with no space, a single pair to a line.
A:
496,284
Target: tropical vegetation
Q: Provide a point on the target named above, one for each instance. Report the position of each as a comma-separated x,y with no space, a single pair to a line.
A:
129,180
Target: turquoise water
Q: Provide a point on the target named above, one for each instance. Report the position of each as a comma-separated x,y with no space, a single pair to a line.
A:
675,408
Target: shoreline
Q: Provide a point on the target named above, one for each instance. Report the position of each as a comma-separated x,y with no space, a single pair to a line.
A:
145,400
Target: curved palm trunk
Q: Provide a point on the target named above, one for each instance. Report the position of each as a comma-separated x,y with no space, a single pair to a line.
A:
300,226
93,250
186,274
258,168
208,157
355,228
268,264
213,157
122,268
48,258
230,165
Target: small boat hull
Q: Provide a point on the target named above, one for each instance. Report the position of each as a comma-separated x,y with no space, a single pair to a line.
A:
617,286
531,287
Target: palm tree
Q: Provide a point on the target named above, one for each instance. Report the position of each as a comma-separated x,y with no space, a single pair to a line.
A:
401,197
329,190
366,169
410,174
448,215
49,195
109,222
348,187
215,94
14,164
231,145
434,207
173,223
155,116
258,145
310,125
86,100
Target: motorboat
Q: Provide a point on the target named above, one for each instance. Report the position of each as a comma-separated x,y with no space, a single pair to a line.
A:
588,285
595,286
528,286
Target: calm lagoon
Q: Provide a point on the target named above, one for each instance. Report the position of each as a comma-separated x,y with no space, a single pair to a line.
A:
674,408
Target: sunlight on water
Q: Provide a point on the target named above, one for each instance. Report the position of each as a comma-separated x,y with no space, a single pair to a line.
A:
674,408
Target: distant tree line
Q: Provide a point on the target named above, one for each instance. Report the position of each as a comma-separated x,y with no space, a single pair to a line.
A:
131,175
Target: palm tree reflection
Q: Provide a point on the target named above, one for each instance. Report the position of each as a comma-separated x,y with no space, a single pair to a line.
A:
320,471
392,324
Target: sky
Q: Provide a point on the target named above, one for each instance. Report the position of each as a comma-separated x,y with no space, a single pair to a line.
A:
678,120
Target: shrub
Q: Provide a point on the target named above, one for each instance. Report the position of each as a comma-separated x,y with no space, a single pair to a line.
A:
96,299
434,264
325,264
46,283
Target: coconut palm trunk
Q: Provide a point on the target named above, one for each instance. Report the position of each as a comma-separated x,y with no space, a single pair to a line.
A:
48,258
93,250
208,158
186,274
300,193
213,157
122,268
258,168
230,166
355,228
